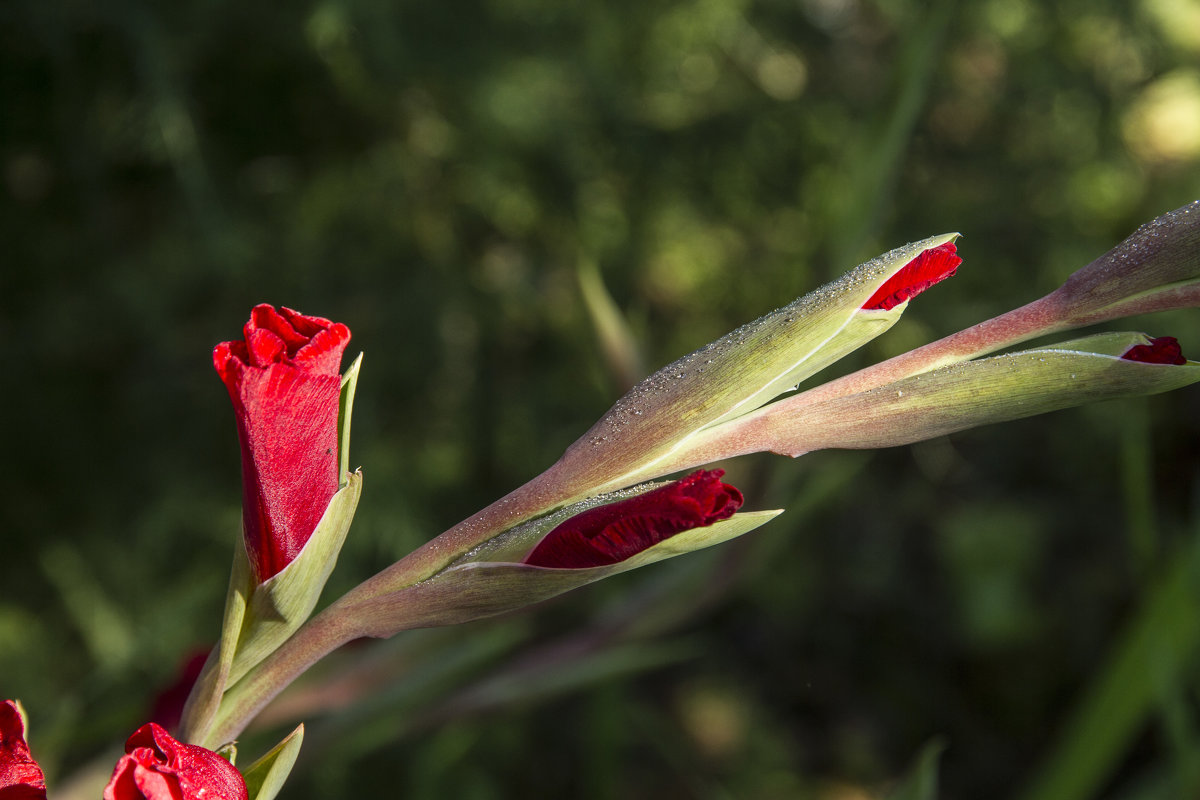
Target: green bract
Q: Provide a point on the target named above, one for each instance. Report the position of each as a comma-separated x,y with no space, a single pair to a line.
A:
959,396
280,604
474,589
265,777
733,376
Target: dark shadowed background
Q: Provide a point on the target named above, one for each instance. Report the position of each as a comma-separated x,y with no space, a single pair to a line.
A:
440,176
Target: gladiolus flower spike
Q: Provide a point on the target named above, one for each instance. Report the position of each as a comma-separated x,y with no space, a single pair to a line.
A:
930,267
20,776
284,383
1161,350
614,532
157,766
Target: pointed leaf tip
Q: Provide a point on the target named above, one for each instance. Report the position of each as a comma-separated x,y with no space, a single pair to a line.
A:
265,777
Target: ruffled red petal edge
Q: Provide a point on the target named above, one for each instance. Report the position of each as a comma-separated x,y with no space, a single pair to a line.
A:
313,344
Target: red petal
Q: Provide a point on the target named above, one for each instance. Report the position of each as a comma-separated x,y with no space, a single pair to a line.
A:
611,533
20,776
158,767
932,266
1163,350
283,380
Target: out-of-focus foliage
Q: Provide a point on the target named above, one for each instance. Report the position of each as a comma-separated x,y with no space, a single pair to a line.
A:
436,175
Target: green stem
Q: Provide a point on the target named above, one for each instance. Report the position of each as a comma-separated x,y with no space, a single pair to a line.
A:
347,618
316,639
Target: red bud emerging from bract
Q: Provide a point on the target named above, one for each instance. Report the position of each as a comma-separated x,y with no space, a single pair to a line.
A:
612,533
158,767
20,776
932,266
1162,350
284,383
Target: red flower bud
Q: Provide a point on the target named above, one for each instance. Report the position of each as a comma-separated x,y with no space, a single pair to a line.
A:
612,533
932,266
284,383
158,767
1163,350
20,776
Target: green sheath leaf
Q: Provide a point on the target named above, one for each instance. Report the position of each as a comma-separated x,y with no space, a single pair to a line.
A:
733,375
282,603
966,395
475,589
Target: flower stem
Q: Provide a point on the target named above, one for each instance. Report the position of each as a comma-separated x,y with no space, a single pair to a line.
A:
316,639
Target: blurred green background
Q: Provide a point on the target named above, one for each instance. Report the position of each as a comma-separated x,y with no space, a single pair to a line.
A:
439,176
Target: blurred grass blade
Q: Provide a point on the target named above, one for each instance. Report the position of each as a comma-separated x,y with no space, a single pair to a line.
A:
874,161
921,783
622,355
102,625
1155,652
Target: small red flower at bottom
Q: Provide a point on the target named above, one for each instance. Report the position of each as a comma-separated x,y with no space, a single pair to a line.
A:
932,266
1163,350
20,776
612,533
158,767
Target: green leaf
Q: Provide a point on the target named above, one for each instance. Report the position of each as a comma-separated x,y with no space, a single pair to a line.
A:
921,783
1156,651
265,777
617,342
959,396
280,604
475,589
